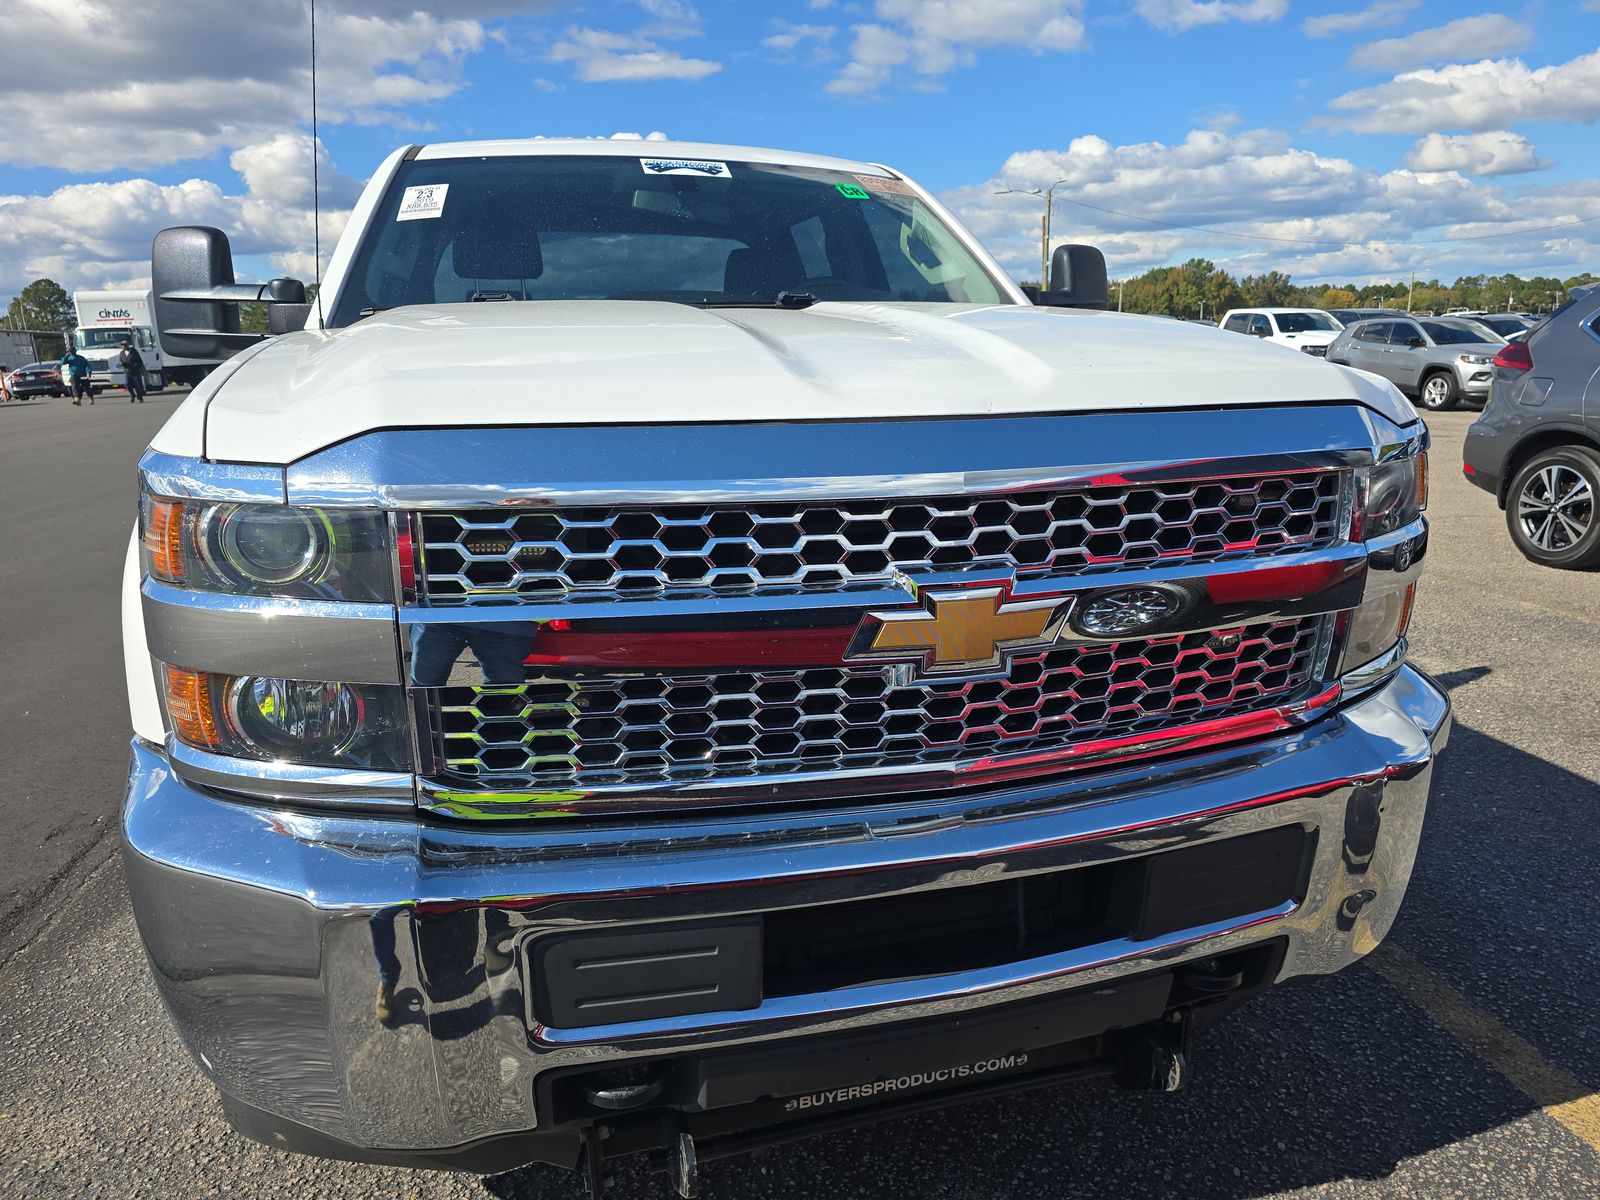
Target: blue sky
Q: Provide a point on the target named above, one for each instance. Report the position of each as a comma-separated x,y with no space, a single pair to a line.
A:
1336,139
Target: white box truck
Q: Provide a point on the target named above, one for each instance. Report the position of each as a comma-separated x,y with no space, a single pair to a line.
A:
106,318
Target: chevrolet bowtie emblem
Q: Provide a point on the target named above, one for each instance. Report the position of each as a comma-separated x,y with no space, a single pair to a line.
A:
959,631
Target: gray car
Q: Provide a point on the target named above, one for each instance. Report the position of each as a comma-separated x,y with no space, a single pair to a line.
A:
1536,448
1438,361
1511,326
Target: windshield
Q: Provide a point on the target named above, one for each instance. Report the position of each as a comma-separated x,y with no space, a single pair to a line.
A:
1306,322
102,339
609,228
1505,326
1451,334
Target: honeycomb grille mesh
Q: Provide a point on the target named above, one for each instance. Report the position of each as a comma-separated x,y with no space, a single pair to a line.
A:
685,728
488,556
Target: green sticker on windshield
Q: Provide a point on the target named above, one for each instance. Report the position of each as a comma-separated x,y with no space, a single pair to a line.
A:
851,192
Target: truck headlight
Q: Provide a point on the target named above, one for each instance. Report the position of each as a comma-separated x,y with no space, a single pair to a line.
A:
1376,627
268,549
307,722
1392,495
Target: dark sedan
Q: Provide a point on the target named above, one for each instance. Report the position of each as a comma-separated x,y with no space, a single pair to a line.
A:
1349,316
36,379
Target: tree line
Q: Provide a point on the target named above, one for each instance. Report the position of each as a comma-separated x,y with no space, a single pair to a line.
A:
43,306
1200,288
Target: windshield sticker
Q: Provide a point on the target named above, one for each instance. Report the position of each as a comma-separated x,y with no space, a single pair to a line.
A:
851,192
684,166
884,186
424,200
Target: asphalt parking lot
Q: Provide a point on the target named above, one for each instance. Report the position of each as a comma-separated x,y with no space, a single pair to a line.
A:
1460,1061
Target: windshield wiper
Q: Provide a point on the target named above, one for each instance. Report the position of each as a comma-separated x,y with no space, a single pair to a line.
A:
781,300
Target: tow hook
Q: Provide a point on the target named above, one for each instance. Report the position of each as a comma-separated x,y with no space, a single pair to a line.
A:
596,1175
1155,1058
685,1168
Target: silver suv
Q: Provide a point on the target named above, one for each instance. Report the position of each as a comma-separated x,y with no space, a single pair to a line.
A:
1536,447
1438,361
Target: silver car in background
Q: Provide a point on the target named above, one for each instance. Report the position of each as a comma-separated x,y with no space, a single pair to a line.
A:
1438,361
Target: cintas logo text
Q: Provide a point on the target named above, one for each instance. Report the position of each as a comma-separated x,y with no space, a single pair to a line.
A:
113,314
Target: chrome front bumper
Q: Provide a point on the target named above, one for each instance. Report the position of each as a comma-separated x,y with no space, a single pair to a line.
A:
266,927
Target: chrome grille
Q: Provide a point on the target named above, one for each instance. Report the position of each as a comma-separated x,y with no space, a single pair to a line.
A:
685,728
552,554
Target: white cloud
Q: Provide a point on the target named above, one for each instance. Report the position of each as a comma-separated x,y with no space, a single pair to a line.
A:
790,35
1467,39
1380,14
605,56
933,37
89,234
1275,206
875,53
1176,16
1496,153
188,78
1477,96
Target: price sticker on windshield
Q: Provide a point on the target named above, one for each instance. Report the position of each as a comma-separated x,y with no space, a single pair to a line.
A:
424,200
884,186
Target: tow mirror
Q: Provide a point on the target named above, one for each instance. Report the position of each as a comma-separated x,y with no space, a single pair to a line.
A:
196,298
1077,279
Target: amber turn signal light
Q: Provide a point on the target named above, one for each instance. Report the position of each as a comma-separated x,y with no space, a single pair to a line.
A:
163,539
191,708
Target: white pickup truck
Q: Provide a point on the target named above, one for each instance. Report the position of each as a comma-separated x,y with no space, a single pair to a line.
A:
680,652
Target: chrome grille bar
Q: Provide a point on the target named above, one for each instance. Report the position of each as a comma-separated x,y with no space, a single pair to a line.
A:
597,743
476,556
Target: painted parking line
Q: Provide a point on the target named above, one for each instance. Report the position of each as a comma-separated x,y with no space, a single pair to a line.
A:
1558,1092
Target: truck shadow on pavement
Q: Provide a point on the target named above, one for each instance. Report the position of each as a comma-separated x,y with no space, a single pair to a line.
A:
1341,1081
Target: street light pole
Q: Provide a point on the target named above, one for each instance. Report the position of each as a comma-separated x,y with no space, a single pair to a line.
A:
1044,234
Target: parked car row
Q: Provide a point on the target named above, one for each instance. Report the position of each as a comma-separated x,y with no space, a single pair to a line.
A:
1439,361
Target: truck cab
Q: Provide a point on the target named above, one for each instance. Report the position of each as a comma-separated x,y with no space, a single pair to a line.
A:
673,650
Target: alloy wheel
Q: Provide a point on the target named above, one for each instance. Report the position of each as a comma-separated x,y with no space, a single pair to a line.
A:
1556,508
1436,392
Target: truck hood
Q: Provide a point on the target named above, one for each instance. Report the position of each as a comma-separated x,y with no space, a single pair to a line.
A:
643,362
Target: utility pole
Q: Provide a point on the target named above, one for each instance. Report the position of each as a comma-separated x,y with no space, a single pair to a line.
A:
1412,294
1044,234
1120,282
1044,246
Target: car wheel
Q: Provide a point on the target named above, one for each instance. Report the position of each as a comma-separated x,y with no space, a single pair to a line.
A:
1439,392
1550,508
